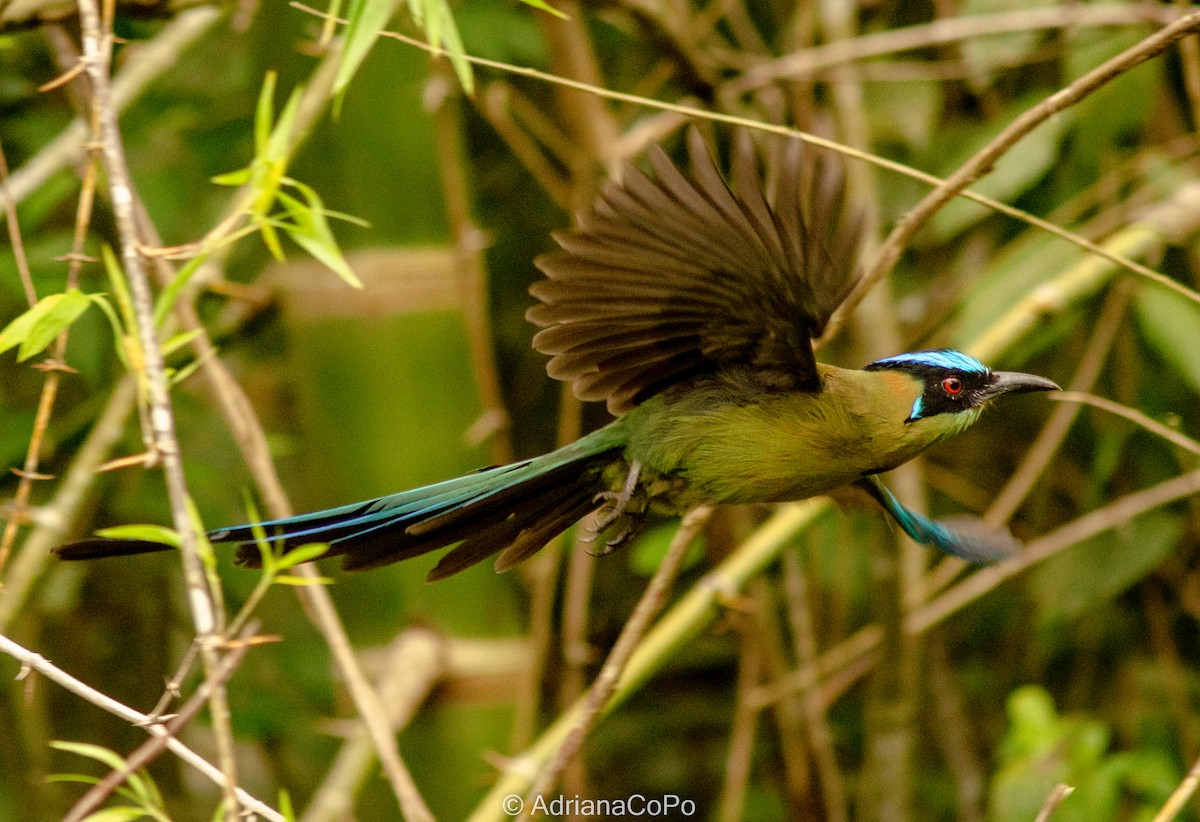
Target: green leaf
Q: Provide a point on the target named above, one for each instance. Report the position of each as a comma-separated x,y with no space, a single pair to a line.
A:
541,5
117,814
264,114
300,554
37,327
367,20
120,290
96,752
234,178
310,230
1170,324
170,295
59,318
148,533
287,579
180,340
119,336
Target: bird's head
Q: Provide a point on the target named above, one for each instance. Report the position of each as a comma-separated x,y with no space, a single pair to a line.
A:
956,384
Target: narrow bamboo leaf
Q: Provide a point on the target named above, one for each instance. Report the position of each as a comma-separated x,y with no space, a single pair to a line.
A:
148,533
120,291
264,114
101,302
53,322
367,20
17,331
170,295
541,5
271,240
179,375
96,752
180,340
300,555
310,230
299,581
234,178
455,48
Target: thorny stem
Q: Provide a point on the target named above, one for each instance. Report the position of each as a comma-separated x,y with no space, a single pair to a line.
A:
31,661
157,743
162,440
602,689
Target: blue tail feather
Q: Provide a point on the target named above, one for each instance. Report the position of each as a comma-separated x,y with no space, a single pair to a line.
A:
487,511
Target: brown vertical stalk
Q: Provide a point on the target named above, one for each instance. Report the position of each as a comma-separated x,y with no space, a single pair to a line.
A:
163,445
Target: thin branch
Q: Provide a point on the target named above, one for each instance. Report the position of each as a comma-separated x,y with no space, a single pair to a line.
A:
53,520
145,753
45,406
143,63
97,46
31,661
983,160
732,803
251,440
416,660
1107,252
1155,427
602,689
820,737
944,31
1060,792
14,236
1181,795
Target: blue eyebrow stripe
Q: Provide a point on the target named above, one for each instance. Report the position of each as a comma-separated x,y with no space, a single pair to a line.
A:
939,358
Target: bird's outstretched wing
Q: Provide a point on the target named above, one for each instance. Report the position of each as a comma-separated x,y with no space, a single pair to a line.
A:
674,274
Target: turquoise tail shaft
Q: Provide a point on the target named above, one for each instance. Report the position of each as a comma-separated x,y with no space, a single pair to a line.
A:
964,538
512,510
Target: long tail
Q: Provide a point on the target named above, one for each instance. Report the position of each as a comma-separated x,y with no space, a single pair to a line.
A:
512,510
964,537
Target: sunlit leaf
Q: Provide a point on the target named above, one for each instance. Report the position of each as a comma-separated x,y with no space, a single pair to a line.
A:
541,5
310,230
37,327
367,19
301,554
146,532
96,752
287,579
234,178
170,295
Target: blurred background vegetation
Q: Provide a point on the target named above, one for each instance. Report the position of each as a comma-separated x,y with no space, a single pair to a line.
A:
831,686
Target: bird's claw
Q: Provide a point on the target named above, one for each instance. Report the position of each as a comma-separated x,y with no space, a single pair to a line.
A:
633,523
616,507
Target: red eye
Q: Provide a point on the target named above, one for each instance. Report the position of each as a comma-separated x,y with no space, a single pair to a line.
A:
952,386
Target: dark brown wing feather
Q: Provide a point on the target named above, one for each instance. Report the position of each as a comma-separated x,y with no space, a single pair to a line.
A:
671,275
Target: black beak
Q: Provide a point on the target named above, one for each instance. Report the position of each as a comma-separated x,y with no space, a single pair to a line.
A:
1014,382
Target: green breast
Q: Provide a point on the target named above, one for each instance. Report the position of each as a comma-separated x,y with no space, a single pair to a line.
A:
728,441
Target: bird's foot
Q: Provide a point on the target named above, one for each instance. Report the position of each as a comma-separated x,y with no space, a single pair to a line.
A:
626,505
632,524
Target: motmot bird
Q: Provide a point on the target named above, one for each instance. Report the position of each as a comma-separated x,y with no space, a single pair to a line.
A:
689,305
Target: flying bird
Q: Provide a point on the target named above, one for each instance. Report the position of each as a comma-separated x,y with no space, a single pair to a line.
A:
689,305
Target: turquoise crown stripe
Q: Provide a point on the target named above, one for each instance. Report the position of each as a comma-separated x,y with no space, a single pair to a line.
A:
939,358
